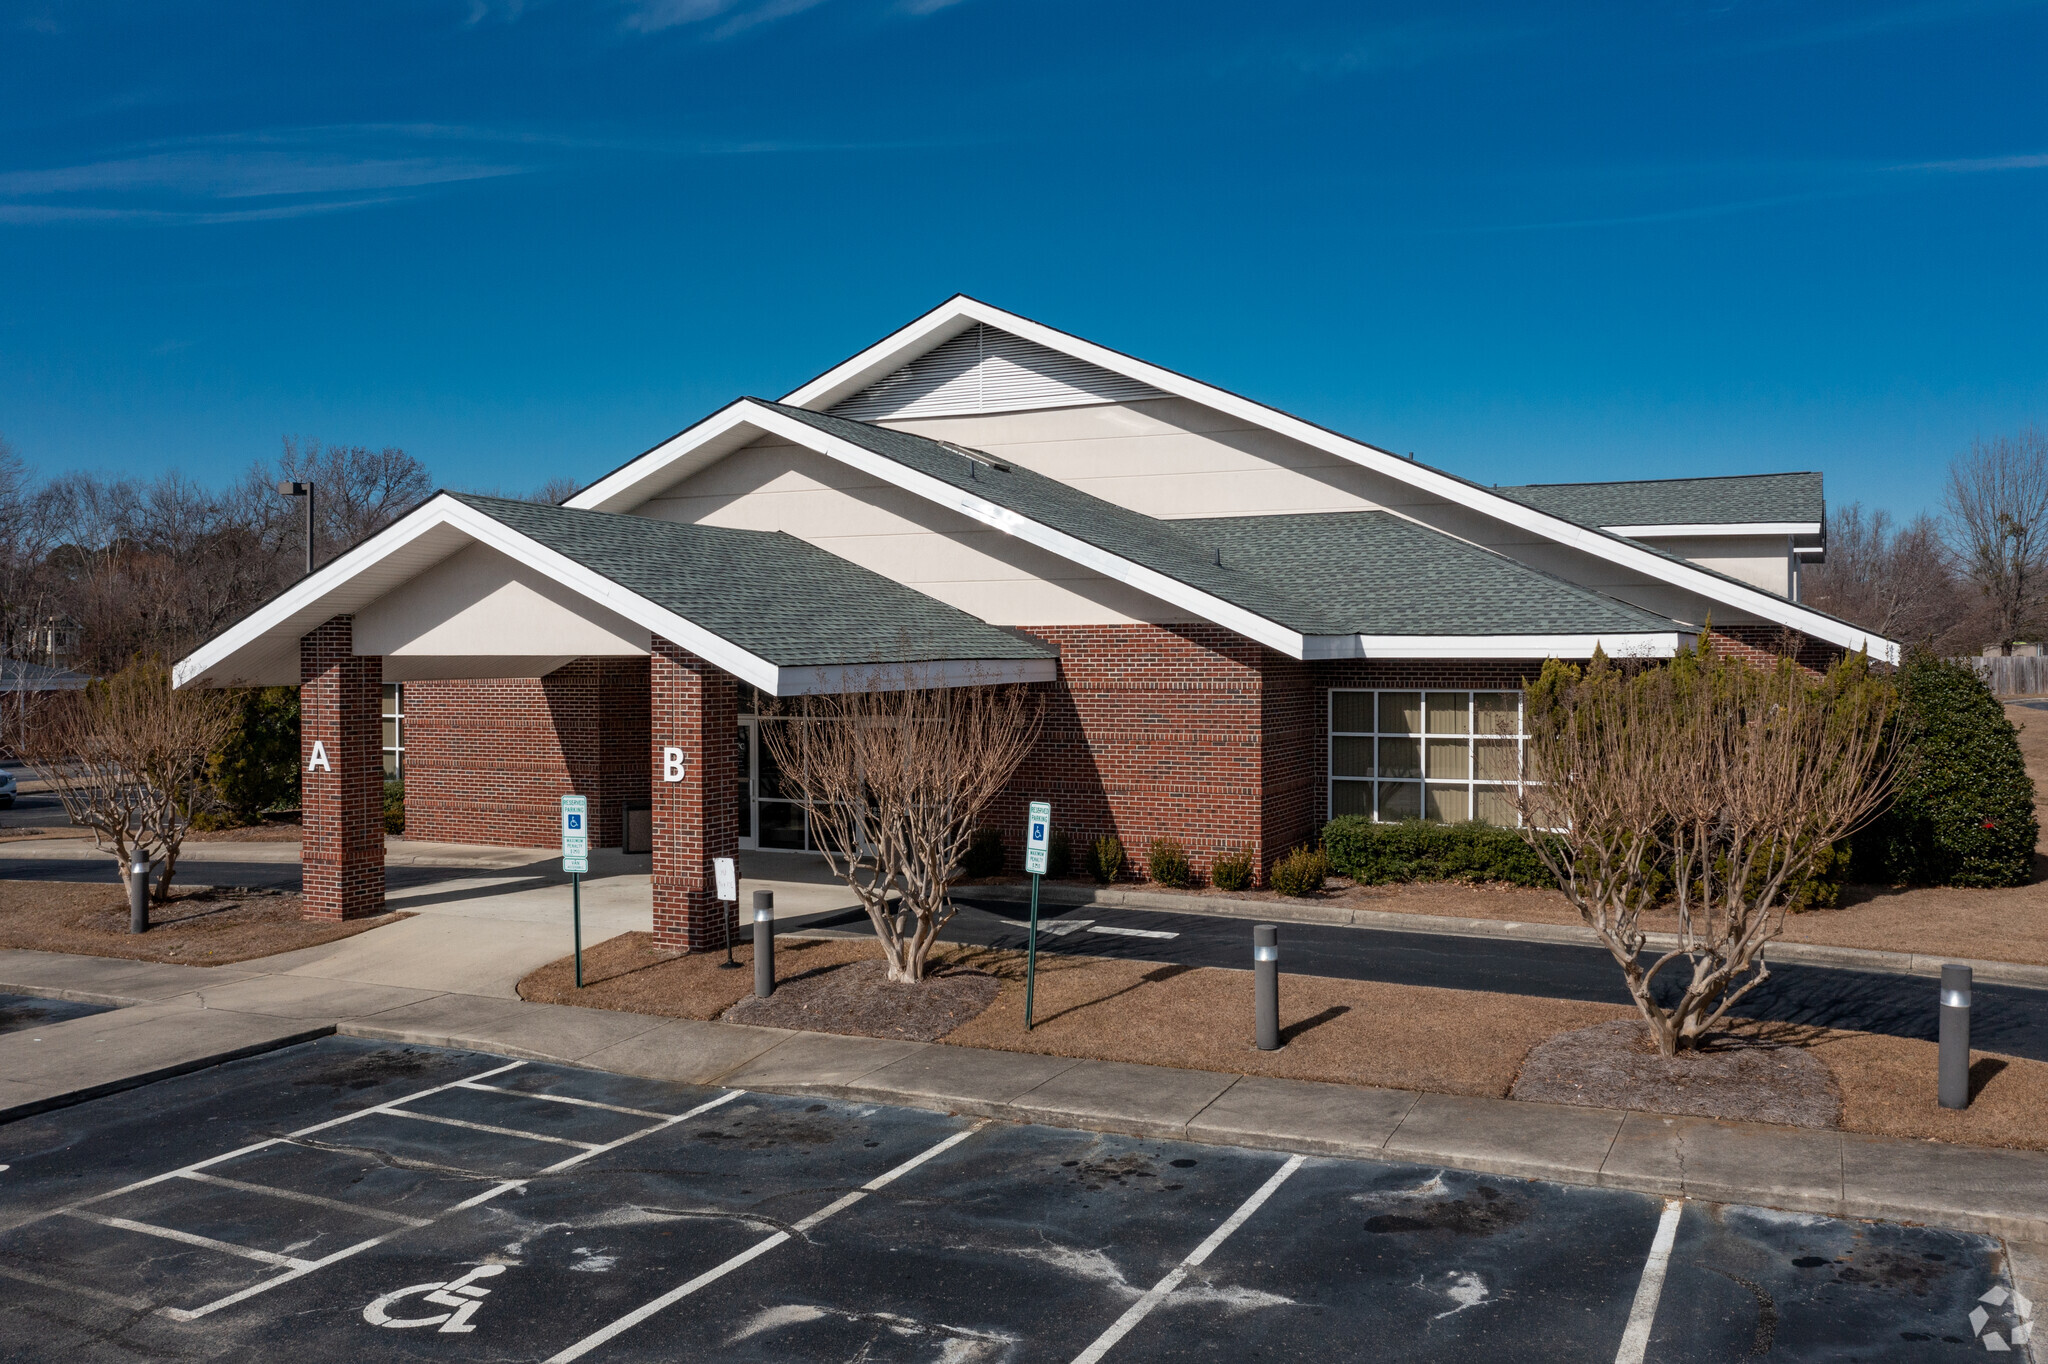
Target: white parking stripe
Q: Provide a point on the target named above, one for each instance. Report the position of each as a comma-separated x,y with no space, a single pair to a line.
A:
193,1239
1138,1310
193,1314
561,1099
271,1191
1132,932
494,1131
1636,1339
759,1248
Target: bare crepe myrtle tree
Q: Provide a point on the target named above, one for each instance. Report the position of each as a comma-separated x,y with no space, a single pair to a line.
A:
895,778
1998,518
1725,780
128,757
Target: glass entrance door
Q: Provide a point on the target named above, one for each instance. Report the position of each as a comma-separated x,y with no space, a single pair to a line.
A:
745,803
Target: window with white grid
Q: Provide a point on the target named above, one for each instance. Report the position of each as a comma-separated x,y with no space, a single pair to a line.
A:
1450,756
394,730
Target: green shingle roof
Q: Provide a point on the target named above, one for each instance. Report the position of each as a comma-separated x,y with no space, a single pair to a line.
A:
1680,501
1377,574
1320,574
775,596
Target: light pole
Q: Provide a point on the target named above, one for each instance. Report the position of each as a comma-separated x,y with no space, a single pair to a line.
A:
305,490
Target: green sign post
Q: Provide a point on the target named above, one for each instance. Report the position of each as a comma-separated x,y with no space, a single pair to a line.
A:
576,861
1037,838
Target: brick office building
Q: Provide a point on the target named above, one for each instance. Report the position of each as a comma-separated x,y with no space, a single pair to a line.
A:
1242,622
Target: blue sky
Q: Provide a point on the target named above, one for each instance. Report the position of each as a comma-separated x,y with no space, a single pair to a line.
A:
528,238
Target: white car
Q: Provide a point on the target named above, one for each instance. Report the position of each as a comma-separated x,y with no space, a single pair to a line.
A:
6,790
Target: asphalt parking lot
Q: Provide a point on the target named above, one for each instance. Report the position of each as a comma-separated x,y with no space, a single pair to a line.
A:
345,1200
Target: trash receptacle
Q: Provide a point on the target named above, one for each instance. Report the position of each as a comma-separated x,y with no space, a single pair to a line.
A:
636,827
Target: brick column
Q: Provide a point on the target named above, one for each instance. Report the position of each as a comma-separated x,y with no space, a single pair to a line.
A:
695,709
341,785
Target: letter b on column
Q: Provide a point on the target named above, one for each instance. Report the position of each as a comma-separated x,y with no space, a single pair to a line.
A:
671,764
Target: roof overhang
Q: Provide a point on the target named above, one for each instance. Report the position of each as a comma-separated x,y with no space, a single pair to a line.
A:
1615,645
958,313
263,648
1701,529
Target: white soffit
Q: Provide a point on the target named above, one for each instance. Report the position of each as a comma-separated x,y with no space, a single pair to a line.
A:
960,313
1706,529
985,369
1648,645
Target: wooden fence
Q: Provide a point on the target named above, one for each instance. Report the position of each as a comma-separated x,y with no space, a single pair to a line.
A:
2013,676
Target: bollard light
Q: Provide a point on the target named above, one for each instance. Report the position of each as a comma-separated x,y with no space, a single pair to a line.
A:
764,943
138,897
1266,984
1955,1036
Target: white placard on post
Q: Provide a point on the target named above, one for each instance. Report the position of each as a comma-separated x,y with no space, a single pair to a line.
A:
1037,837
575,834
728,878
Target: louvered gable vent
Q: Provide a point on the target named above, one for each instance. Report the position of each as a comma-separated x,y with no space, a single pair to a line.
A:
987,370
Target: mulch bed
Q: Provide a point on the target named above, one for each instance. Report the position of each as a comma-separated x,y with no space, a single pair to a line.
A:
200,926
1743,1076
858,999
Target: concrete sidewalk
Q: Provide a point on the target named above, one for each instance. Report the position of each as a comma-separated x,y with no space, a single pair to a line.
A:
186,1017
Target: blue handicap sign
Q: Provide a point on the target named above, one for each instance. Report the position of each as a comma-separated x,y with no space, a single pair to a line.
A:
575,821
1038,833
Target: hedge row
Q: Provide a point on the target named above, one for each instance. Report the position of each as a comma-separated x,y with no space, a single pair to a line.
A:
1418,850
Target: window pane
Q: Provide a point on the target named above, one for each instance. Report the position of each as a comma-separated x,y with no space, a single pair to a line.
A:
745,805
390,733
1400,800
391,698
1494,805
1447,712
1351,757
1351,712
1350,798
745,766
1542,814
390,766
771,782
1497,712
1400,757
1400,712
1494,760
782,824
1449,758
1448,804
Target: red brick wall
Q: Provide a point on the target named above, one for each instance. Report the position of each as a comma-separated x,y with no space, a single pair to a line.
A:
342,802
695,708
489,761
1768,643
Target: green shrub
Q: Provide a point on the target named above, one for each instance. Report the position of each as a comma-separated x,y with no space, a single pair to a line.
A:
1301,872
1166,862
1419,850
394,807
257,769
1106,858
1233,870
1059,855
1963,814
984,855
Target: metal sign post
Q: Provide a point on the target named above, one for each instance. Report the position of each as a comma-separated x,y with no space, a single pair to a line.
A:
1037,837
576,861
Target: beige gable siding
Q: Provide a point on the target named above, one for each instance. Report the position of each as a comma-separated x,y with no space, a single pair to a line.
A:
779,487
1176,459
1761,560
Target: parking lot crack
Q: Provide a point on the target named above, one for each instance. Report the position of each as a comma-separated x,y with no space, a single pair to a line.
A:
391,1161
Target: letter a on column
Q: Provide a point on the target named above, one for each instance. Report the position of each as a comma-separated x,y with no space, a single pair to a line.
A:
319,761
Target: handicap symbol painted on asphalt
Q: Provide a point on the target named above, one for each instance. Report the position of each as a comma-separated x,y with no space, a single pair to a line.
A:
461,1294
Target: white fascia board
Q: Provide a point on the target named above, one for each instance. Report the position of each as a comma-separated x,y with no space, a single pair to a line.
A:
1654,644
895,350
1701,529
834,679
447,511
622,489
1149,581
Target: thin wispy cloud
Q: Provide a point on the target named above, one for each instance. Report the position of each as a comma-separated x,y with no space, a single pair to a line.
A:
1976,165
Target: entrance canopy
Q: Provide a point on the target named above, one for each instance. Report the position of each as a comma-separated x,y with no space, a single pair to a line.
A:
467,586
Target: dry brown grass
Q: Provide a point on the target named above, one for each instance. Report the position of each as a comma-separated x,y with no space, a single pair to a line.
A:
200,926
1338,1031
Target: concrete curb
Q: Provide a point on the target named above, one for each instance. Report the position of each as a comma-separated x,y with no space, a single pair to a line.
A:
1296,911
137,1079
